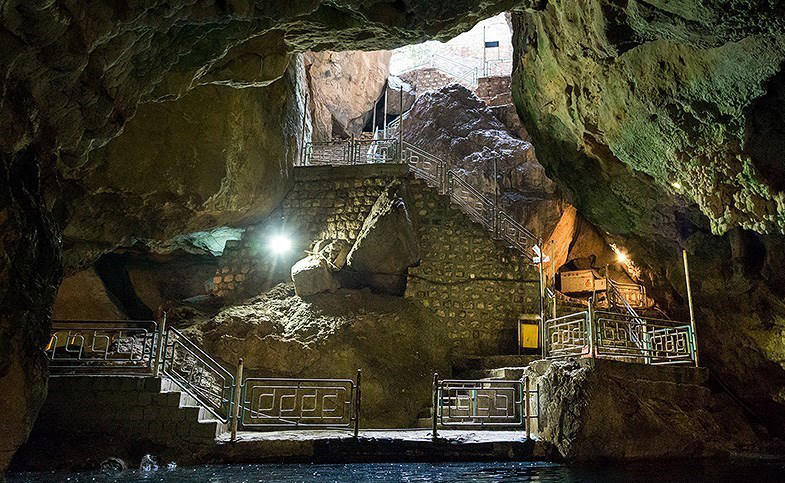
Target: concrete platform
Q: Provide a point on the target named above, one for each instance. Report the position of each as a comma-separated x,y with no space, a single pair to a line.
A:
334,446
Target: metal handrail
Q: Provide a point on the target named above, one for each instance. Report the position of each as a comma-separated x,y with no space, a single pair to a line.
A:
198,374
89,347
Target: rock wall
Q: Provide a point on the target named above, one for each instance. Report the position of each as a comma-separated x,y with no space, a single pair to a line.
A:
595,409
325,202
650,116
344,87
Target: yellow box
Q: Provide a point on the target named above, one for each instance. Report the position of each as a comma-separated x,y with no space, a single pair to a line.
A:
530,335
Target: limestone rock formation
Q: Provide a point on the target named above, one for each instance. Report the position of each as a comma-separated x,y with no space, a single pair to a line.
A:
394,341
396,86
344,86
607,410
312,275
386,246
455,125
659,120
83,296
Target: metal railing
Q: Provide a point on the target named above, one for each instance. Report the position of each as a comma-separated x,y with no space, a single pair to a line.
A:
102,347
497,67
437,173
621,336
461,72
198,374
279,403
484,404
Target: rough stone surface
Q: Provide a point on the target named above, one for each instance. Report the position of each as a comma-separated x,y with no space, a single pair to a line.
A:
313,275
394,341
396,85
660,122
455,125
74,73
344,86
605,410
386,246
83,296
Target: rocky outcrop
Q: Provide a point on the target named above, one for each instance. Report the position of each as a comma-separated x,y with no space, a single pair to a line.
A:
396,88
278,334
455,125
344,87
386,246
659,122
595,409
83,296
313,275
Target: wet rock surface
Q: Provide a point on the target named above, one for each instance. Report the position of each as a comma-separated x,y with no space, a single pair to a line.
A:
605,410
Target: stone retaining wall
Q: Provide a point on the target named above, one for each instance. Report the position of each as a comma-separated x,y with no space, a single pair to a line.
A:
479,286
325,202
495,91
98,417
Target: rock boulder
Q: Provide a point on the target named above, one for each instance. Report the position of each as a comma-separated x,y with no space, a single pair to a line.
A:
386,246
313,275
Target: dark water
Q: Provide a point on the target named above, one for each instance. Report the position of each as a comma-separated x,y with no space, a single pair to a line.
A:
710,471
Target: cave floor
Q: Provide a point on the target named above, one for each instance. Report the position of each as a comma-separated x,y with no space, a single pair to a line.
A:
338,446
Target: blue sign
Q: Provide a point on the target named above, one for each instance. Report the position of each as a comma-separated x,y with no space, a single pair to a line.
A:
494,43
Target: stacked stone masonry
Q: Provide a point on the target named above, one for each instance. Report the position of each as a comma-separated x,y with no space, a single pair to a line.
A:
325,202
476,284
495,91
429,79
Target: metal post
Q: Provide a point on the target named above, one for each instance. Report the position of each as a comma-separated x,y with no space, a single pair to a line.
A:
689,302
553,275
352,154
238,384
484,68
434,434
495,199
590,327
160,347
373,124
542,295
386,88
357,406
527,417
400,128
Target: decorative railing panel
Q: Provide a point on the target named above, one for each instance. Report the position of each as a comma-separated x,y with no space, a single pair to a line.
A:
481,403
370,151
298,403
474,203
424,165
654,341
102,347
198,374
515,233
567,336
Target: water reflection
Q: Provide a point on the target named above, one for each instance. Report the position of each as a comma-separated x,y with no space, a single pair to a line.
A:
712,471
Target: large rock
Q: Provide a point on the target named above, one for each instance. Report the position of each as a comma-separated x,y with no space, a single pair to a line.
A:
83,296
595,409
396,88
394,341
313,275
386,246
660,122
344,86
456,126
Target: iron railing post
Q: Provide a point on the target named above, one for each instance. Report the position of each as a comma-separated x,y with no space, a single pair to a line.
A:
434,434
159,339
400,128
590,328
689,302
357,406
553,275
237,396
542,288
526,406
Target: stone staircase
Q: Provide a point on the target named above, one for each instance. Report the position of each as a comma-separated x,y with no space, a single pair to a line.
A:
188,403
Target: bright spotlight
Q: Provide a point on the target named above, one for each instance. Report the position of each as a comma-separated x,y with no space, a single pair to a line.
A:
279,244
676,185
622,257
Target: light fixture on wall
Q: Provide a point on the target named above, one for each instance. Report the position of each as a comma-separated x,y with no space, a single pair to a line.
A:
279,244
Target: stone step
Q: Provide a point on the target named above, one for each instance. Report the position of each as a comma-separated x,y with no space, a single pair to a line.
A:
194,410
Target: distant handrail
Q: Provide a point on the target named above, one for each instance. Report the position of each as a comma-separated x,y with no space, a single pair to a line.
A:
90,347
198,374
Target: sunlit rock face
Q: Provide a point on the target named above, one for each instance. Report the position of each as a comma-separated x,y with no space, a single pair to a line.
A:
658,119
456,126
75,73
343,88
